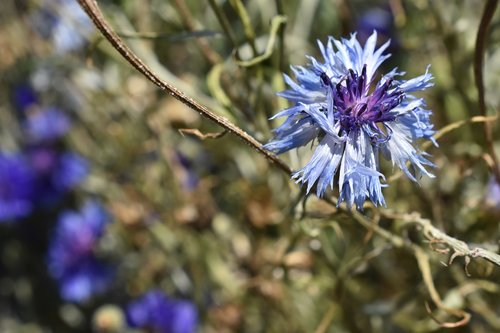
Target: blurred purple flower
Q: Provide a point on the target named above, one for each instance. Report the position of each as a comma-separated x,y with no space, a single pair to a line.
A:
81,281
43,159
161,314
71,260
71,170
56,172
64,22
186,171
16,187
72,26
492,196
380,19
47,125
24,96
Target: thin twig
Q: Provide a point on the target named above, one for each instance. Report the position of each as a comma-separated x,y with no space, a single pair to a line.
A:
93,11
203,136
281,38
425,269
224,22
190,23
473,291
459,248
240,9
482,34
327,319
170,37
276,22
431,232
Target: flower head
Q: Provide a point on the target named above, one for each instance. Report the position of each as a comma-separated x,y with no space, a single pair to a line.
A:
492,194
71,170
24,97
353,115
56,172
47,125
162,314
376,18
71,259
65,22
17,187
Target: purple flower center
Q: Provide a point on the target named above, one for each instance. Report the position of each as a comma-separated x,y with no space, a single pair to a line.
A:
354,105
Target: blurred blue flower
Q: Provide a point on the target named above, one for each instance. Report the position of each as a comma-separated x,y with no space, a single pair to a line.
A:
24,96
186,172
71,260
64,22
56,172
492,195
72,28
380,19
156,311
47,125
16,187
353,116
43,159
71,171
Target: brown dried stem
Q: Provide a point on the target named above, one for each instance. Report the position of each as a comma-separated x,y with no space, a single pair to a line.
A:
92,9
482,34
458,248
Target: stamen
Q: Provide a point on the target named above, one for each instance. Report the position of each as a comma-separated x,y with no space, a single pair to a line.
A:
354,106
325,79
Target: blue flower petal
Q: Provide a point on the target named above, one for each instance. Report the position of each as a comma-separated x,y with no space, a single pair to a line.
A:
17,187
400,151
163,314
322,165
358,175
70,258
298,133
419,83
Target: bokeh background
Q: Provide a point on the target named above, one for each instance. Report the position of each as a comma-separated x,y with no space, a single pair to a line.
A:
114,219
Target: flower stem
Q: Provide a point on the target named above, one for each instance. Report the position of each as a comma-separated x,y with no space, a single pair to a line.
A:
482,34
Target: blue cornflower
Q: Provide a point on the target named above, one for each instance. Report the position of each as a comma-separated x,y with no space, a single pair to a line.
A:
71,171
380,19
492,195
47,125
162,314
72,28
56,172
186,172
353,116
17,187
71,260
24,97
65,22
